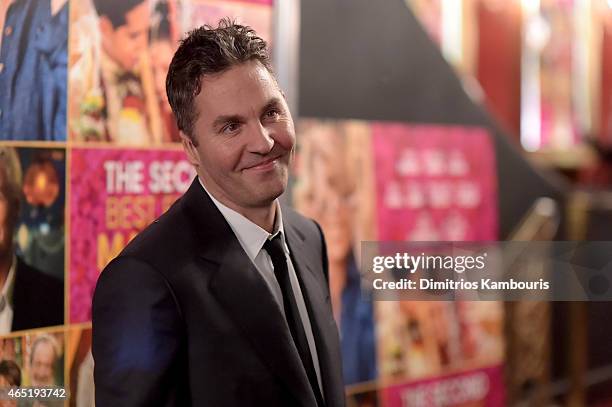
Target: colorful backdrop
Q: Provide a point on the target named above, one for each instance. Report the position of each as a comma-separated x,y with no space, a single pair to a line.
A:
89,187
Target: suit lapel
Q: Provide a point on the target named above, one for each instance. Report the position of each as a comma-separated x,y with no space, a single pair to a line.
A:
308,266
244,294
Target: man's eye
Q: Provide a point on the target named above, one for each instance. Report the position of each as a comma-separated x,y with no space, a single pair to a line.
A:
230,128
272,113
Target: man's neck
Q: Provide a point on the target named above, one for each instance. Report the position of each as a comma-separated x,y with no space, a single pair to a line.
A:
262,216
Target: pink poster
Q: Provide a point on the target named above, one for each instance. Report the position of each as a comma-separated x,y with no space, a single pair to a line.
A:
258,14
114,194
481,387
435,183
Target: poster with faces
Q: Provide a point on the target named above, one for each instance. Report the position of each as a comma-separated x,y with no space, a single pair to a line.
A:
333,186
405,182
34,359
32,237
119,58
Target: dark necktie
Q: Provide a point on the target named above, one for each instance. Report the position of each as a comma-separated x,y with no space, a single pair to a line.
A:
279,262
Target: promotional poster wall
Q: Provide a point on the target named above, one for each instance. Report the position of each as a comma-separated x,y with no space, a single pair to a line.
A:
393,181
35,359
92,157
89,156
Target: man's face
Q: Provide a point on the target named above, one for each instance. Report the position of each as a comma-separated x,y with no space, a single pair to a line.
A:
42,365
125,44
244,135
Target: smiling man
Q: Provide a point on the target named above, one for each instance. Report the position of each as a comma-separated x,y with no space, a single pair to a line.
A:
224,300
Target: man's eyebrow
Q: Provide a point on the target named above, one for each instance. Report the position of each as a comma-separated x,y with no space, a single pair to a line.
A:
232,118
274,102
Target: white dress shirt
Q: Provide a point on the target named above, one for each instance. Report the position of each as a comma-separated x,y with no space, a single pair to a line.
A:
252,239
6,300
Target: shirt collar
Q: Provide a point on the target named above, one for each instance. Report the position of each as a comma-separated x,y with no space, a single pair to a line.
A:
250,235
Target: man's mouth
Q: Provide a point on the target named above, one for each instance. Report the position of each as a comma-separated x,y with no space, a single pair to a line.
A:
265,164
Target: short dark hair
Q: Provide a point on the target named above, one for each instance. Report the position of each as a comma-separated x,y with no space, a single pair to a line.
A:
116,10
11,372
207,51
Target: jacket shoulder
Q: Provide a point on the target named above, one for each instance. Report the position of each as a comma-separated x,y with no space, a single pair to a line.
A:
167,240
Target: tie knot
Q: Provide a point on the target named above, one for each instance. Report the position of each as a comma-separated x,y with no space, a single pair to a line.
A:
274,246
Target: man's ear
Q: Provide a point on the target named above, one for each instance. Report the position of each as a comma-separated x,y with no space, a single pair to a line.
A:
190,149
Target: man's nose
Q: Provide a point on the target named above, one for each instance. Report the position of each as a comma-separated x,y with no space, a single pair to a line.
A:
260,139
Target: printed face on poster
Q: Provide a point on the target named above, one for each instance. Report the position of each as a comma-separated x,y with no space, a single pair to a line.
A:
32,202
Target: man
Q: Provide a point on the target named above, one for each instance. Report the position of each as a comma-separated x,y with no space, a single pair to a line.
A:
29,298
33,61
122,83
42,361
223,301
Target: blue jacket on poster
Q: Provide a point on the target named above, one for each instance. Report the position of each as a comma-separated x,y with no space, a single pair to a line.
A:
33,67
357,335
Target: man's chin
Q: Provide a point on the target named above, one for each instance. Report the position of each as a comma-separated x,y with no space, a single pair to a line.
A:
273,194
268,192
